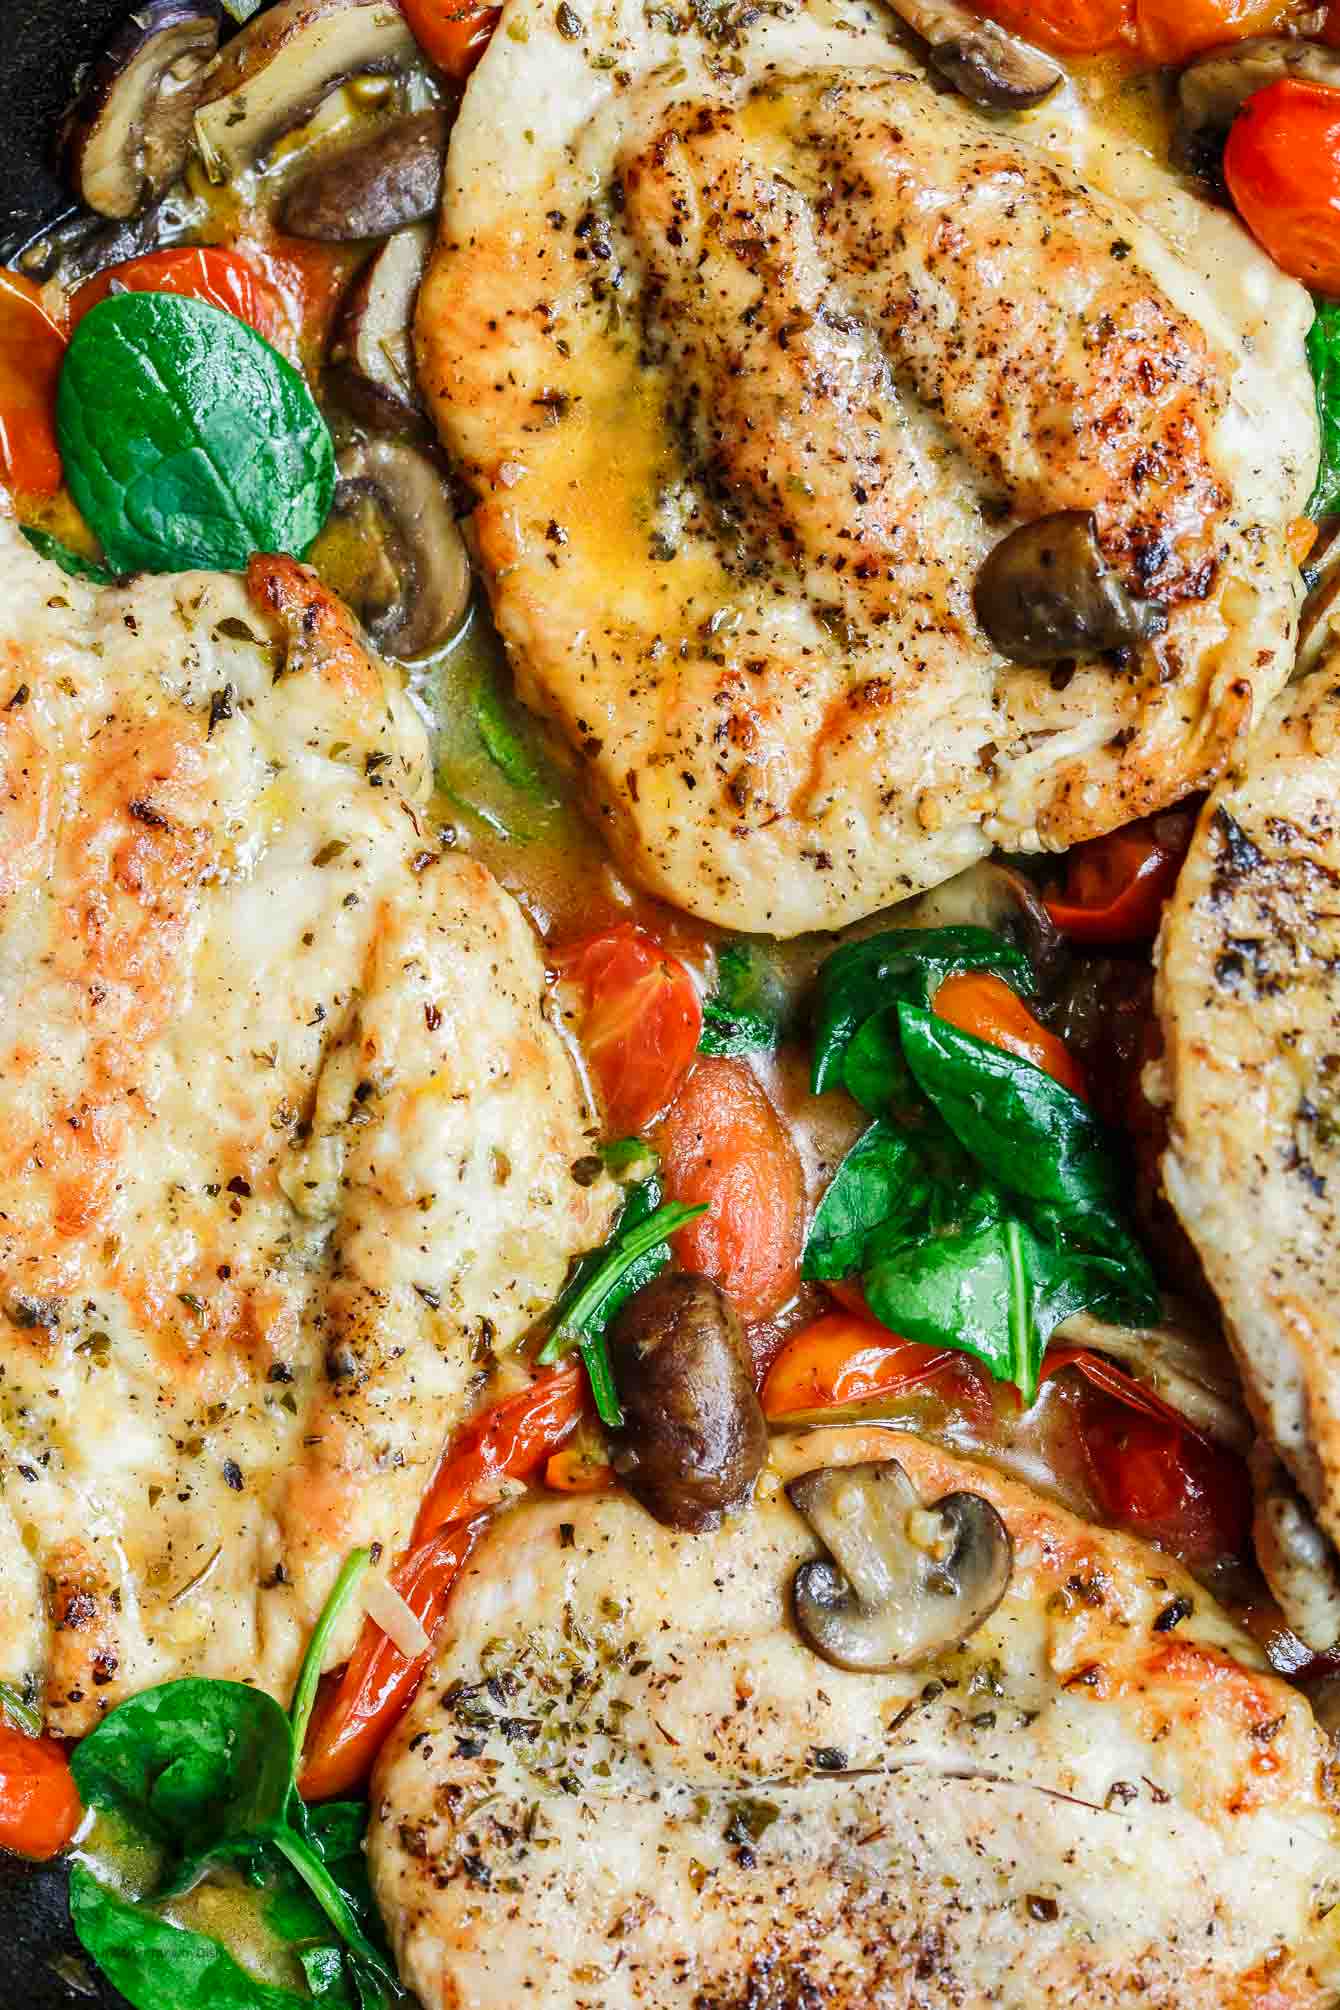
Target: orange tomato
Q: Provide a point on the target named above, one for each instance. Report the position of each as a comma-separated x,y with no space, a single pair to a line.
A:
1282,167
220,278
642,1023
1172,31
452,33
39,1807
32,349
572,1471
1069,27
723,1143
837,1359
978,1003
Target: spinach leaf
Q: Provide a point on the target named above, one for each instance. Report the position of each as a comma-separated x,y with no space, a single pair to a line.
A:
1323,354
187,440
159,1966
304,1690
511,741
60,554
905,964
881,1180
874,1072
744,1013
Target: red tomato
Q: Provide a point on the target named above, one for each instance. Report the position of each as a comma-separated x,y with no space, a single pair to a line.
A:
452,33
642,1024
39,1808
722,1142
1116,886
506,1442
1172,31
1282,167
1154,1476
220,278
978,1003
837,1359
1070,27
32,349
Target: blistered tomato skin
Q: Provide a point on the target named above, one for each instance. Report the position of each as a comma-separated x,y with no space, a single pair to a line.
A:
221,279
452,33
1067,27
39,1807
32,349
642,1022
1172,31
1282,168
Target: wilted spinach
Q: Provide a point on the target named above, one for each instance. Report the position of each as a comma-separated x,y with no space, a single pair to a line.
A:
1323,355
744,1013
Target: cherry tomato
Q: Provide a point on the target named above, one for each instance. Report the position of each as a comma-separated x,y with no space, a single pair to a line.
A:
451,33
354,1716
32,349
1172,31
574,1471
837,1359
978,1003
1282,167
1157,1478
507,1442
220,278
39,1807
642,1023
1116,886
722,1142
1115,1382
1069,27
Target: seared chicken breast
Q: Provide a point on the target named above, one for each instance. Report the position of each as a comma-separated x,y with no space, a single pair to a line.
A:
1249,1000
754,344
286,1138
629,1781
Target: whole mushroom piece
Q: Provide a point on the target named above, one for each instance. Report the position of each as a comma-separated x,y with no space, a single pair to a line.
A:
902,1581
983,63
1046,594
420,543
129,132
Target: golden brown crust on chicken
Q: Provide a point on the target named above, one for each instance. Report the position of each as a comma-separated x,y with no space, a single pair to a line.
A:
627,1781
752,359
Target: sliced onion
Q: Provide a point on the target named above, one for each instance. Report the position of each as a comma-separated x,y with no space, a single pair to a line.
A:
387,1609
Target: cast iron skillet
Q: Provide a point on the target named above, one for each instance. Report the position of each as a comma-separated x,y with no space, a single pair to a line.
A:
45,43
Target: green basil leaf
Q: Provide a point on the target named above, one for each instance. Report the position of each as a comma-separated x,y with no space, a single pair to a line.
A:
69,561
905,964
1323,355
745,1011
881,1181
158,1966
195,1765
186,439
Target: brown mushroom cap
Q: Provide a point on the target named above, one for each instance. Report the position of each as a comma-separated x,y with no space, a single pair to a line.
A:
420,542
371,356
902,1582
377,184
985,64
1045,594
128,135
1212,90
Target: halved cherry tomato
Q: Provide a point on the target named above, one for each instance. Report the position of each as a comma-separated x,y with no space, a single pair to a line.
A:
837,1359
722,1142
1116,886
507,1442
354,1716
642,1024
979,1003
1115,1382
572,1471
452,33
32,349
1282,167
1169,1485
220,278
39,1807
1172,31
1070,27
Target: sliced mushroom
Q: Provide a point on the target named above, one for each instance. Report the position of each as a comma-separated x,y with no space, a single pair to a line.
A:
1212,90
413,581
372,355
273,75
1298,1562
1046,594
979,59
128,134
902,1582
994,896
382,181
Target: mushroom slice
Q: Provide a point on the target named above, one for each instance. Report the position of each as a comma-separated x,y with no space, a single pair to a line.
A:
379,183
1212,90
902,1582
1046,594
995,896
372,355
982,62
1298,1562
273,75
414,530
128,134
